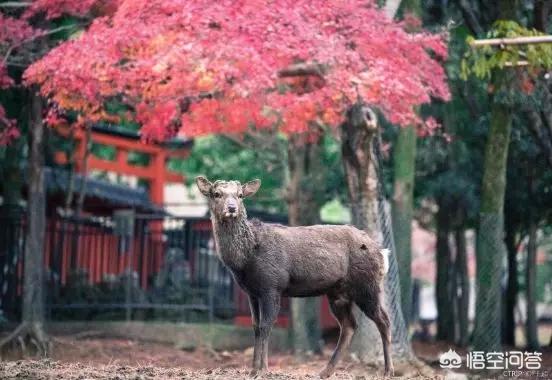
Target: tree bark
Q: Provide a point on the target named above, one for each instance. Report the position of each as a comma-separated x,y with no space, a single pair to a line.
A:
463,284
403,194
445,320
509,323
33,282
304,181
487,335
402,211
357,134
490,244
31,329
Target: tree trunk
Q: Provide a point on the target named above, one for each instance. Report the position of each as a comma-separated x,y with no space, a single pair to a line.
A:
490,243
31,329
463,283
403,194
531,289
304,181
361,178
445,320
357,134
33,285
509,323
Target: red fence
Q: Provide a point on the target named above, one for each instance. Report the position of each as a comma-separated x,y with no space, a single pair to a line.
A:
92,251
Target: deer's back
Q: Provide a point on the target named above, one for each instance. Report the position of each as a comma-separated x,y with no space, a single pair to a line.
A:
312,260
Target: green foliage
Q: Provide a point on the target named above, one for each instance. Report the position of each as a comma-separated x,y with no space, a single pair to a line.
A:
219,157
483,61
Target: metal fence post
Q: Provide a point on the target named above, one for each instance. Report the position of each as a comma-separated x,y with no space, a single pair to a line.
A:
124,227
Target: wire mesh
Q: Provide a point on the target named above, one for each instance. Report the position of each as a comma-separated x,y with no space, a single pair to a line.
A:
490,255
400,338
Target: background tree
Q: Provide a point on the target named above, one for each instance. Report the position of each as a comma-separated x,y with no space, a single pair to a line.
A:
404,161
27,32
490,246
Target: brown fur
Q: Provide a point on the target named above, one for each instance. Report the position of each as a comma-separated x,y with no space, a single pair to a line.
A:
269,261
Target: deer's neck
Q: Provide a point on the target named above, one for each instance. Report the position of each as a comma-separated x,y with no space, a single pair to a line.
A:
234,240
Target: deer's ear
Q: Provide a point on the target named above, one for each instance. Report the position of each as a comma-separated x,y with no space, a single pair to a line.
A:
251,187
203,185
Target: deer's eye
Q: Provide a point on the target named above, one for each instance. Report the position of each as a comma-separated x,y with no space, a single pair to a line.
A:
217,194
240,195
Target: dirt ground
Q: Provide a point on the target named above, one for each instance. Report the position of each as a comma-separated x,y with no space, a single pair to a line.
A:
99,358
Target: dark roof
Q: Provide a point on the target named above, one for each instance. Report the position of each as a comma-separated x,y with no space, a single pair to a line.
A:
114,195
115,130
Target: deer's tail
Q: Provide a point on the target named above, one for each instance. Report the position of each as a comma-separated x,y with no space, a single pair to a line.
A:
385,253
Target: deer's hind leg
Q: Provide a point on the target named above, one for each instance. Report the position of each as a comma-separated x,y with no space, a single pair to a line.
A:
341,308
370,303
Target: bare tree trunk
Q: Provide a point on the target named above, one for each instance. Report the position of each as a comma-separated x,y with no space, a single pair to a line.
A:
463,284
531,289
490,244
356,142
509,323
403,210
31,328
357,135
33,285
303,209
445,321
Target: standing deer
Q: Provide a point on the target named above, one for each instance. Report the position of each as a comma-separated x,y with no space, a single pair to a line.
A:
269,261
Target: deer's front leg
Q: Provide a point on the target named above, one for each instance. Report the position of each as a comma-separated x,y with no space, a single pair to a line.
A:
255,318
270,307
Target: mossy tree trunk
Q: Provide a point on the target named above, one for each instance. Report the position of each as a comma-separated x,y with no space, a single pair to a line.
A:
490,243
487,335
402,211
404,163
303,209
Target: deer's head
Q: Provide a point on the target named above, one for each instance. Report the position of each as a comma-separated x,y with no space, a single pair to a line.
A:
225,198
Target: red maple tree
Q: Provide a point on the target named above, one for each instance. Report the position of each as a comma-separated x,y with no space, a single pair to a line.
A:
20,33
221,66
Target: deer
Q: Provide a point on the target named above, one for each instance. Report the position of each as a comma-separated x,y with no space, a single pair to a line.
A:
270,261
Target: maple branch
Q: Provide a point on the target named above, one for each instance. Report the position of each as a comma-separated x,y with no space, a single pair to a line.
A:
37,36
303,69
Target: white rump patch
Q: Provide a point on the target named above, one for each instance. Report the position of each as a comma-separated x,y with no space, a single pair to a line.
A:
385,253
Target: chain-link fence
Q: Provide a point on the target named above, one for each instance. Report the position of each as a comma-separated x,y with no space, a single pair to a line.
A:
490,249
400,338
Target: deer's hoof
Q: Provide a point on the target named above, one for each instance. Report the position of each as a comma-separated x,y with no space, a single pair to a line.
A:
327,372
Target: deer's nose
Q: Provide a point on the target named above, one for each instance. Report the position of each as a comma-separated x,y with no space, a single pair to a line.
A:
231,208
